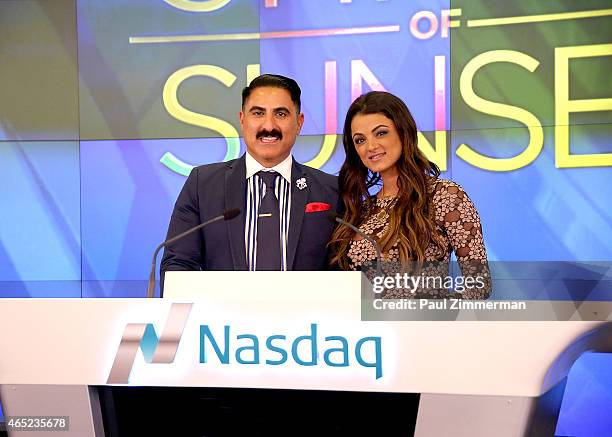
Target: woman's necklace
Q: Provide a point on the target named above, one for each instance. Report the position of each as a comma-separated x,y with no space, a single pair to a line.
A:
383,195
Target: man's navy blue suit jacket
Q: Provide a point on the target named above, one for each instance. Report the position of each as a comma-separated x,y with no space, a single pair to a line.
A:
214,188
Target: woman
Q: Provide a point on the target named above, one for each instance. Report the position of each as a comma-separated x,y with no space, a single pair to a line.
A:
416,217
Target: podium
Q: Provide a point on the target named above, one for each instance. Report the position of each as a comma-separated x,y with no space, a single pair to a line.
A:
285,331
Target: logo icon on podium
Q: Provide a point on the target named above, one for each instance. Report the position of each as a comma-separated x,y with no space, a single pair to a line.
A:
154,349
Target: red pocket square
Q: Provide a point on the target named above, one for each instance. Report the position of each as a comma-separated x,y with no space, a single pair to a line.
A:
317,206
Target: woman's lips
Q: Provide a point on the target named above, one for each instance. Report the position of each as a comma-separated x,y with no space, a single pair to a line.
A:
377,156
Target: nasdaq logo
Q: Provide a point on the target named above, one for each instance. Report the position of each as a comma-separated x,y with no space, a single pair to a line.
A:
278,349
154,349
222,346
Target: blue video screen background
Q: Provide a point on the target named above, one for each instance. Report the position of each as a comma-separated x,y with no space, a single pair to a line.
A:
111,103
154,97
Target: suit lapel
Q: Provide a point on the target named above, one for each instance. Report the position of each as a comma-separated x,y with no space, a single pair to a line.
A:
298,204
235,192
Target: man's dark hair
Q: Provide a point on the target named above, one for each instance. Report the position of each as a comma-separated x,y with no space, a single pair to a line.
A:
276,81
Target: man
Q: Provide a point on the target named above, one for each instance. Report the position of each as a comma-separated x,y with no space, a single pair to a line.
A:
283,222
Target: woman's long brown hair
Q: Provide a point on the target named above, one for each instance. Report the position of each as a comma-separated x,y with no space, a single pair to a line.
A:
411,223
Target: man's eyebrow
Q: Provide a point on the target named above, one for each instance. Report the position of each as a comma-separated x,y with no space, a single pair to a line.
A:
256,108
282,108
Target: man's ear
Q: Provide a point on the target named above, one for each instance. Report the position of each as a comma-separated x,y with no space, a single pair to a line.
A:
241,118
300,121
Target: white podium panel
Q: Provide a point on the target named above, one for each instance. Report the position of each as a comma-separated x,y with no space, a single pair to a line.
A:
276,330
287,330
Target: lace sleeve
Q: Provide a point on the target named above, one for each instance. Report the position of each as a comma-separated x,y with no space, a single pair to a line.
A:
458,218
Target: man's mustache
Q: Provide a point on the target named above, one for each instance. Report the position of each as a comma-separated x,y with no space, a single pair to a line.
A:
270,133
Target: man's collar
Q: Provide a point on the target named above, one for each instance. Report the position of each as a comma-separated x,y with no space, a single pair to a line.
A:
283,168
